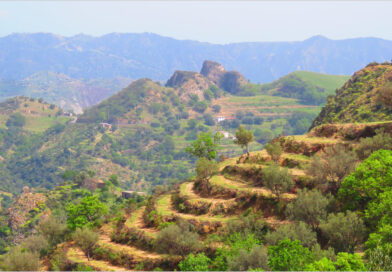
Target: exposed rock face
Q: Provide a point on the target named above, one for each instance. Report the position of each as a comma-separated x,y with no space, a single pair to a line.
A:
21,210
213,71
189,83
179,78
232,82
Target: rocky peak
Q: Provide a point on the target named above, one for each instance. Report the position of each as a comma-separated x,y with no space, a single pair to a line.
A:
179,78
213,71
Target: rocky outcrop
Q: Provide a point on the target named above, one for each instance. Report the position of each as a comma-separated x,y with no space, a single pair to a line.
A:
213,71
22,209
188,83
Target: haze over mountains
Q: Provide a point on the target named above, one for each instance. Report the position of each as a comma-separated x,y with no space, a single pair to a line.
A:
157,57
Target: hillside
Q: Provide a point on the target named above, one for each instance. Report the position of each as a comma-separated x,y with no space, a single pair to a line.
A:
364,98
62,90
140,133
223,217
311,88
156,57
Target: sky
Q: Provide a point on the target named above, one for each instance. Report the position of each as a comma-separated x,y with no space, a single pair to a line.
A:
208,21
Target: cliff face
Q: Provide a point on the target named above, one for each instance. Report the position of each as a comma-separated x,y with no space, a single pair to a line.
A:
212,73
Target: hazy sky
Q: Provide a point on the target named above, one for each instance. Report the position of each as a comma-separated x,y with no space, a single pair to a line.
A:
211,21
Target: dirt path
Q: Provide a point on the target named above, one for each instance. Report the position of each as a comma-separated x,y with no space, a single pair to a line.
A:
138,254
76,255
138,222
241,186
193,196
164,207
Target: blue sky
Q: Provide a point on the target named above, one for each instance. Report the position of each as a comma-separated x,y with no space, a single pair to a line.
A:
210,21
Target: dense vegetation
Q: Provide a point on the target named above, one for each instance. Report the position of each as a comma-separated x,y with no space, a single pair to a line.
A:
364,98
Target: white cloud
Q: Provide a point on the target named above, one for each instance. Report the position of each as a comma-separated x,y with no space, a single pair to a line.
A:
3,13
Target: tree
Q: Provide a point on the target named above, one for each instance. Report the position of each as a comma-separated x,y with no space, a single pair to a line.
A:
216,108
205,146
243,138
370,179
16,120
205,168
208,119
344,231
197,262
178,240
36,244
309,206
288,256
256,258
349,262
21,260
380,258
368,145
86,239
299,231
324,264
274,150
53,230
277,179
332,167
86,213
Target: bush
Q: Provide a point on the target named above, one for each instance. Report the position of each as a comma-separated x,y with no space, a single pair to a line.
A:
330,168
178,240
36,244
274,150
369,145
200,106
344,231
20,260
197,262
86,239
216,108
255,259
205,168
278,180
310,207
288,256
299,231
16,120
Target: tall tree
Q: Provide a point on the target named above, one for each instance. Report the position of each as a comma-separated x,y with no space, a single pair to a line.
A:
243,138
205,146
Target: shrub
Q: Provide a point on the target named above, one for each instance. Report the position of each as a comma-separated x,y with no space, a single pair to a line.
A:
288,256
205,168
369,145
344,231
278,180
330,168
299,231
256,258
20,260
274,150
86,239
178,240
310,207
197,262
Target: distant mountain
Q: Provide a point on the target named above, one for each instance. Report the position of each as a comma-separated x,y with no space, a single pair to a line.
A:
157,57
62,90
366,97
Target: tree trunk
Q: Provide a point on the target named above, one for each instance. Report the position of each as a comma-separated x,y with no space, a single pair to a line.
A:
247,150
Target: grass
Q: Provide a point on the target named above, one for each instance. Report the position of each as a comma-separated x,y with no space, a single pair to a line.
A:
328,82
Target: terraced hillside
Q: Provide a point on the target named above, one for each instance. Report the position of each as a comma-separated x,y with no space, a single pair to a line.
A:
211,205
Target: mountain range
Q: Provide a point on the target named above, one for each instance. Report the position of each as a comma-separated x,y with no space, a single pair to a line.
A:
157,57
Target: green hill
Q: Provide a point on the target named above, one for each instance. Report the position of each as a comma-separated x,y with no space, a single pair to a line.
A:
311,88
364,98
